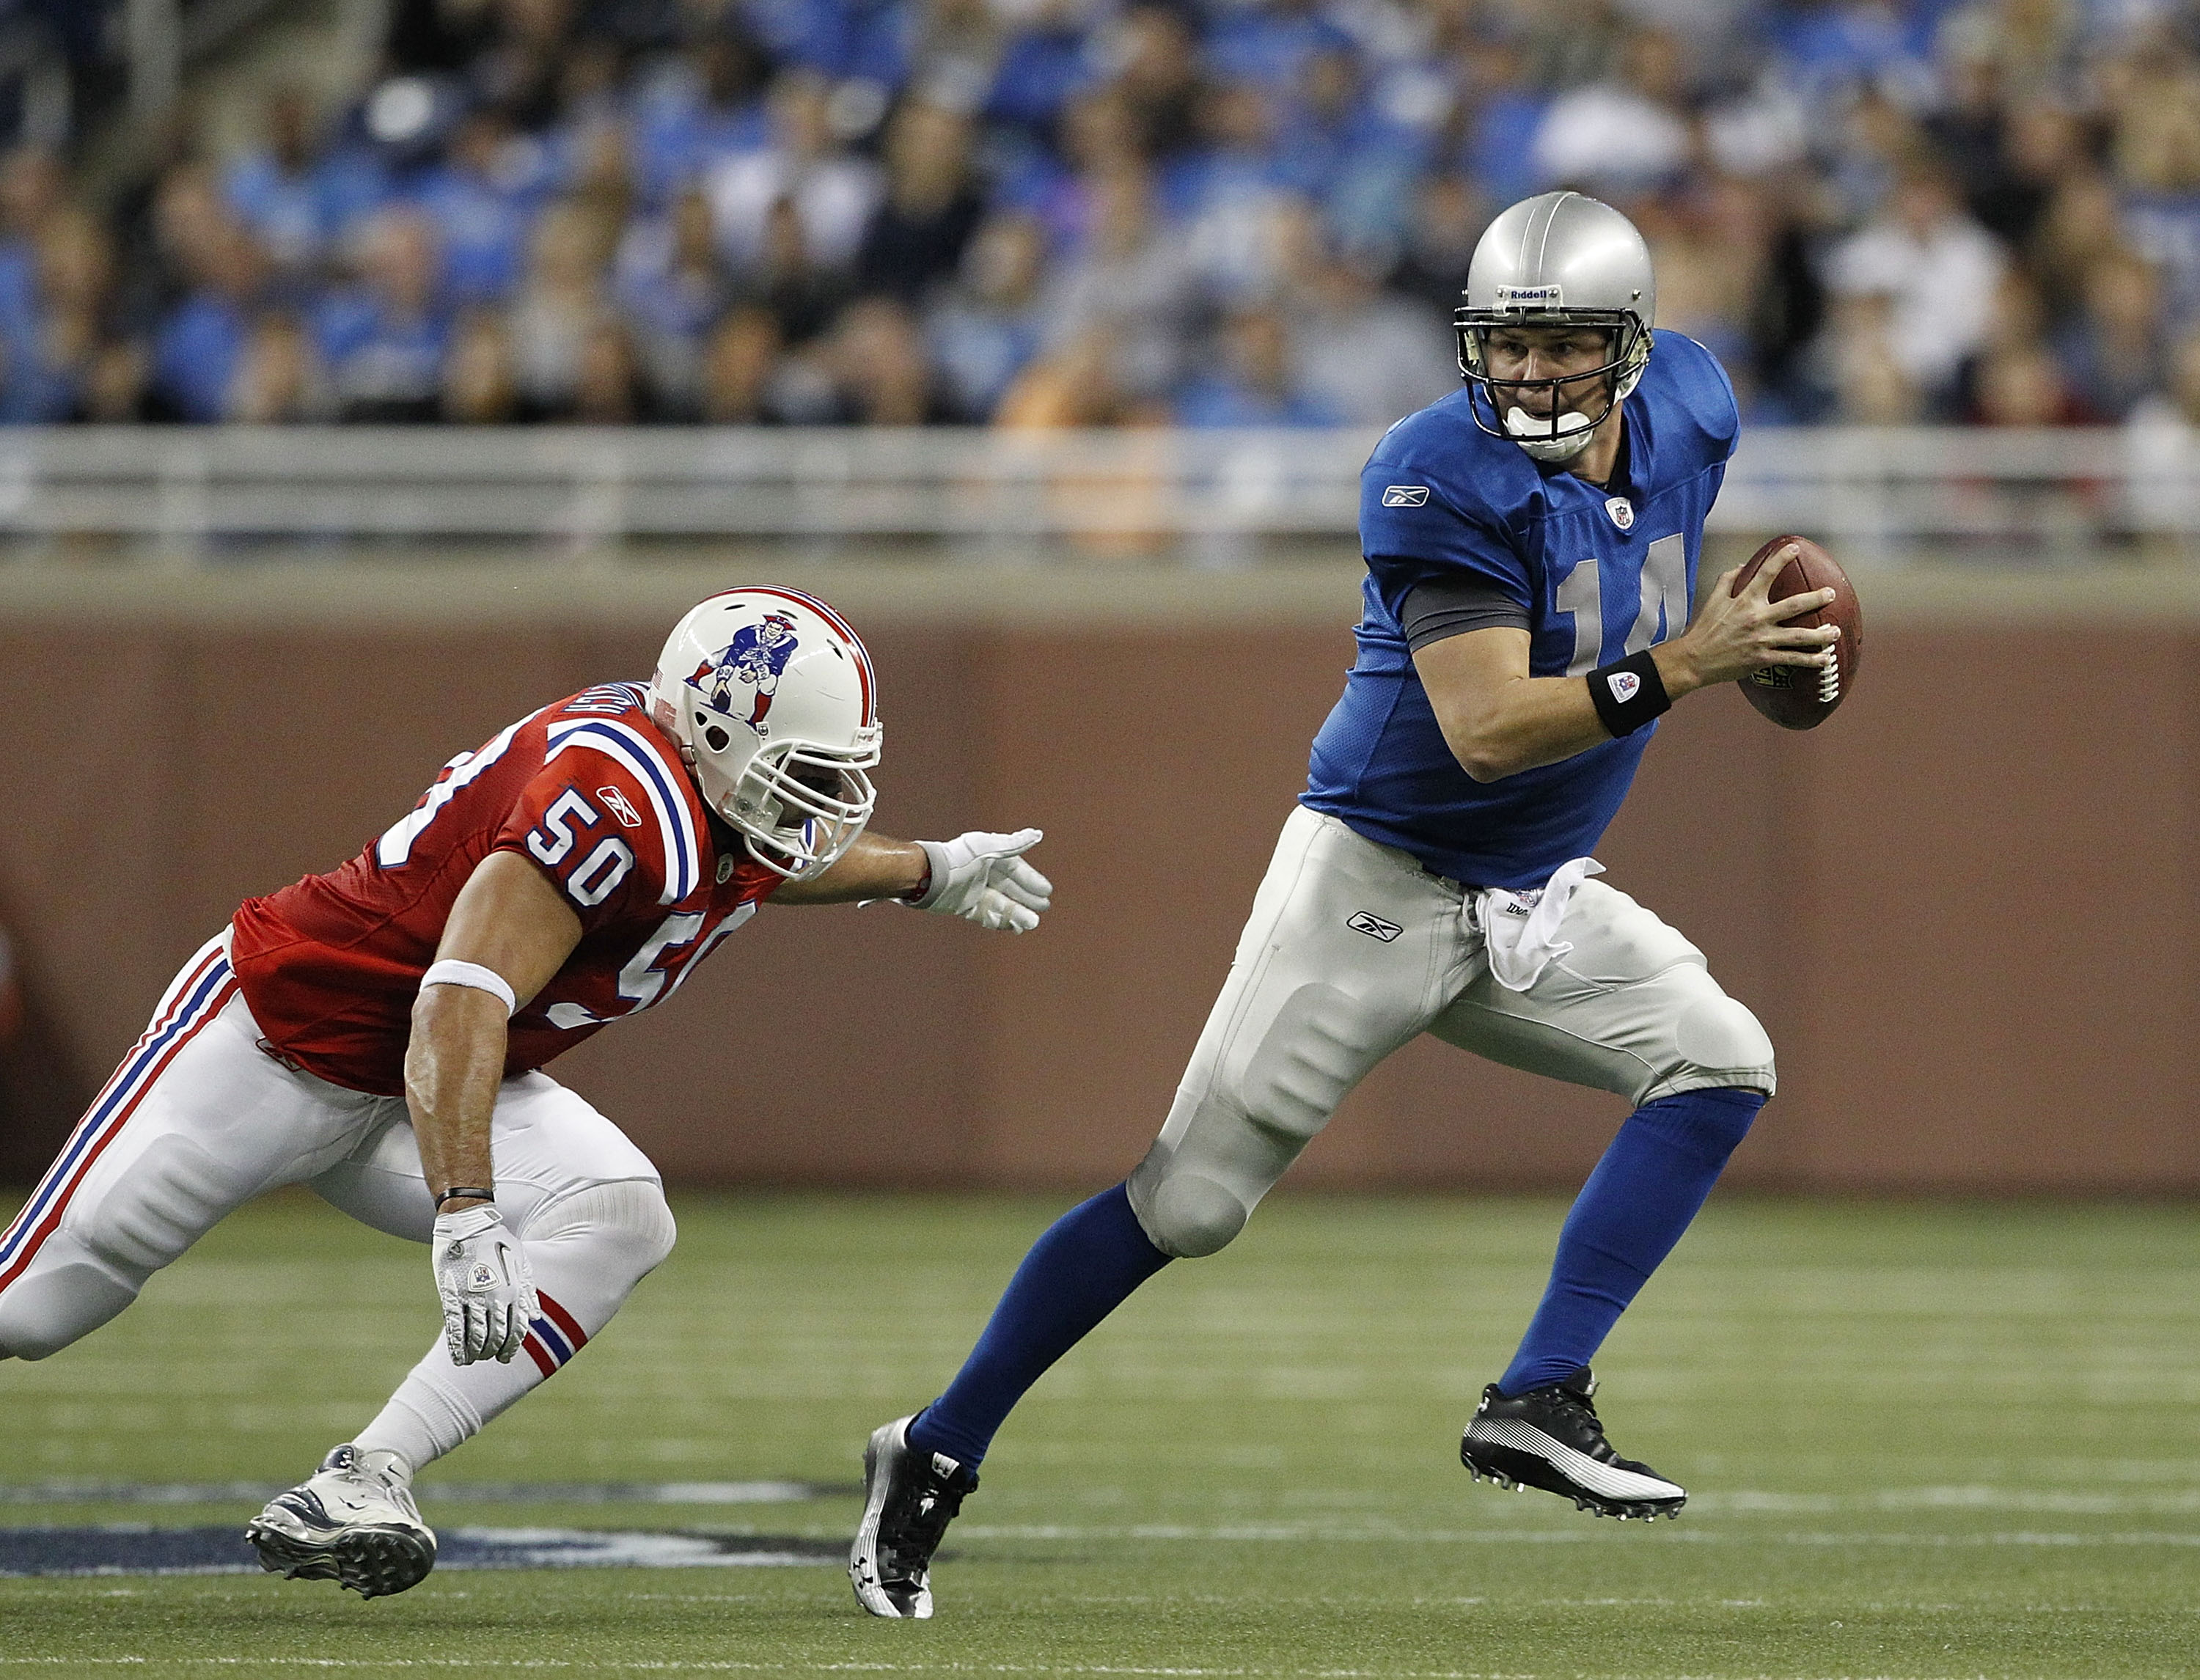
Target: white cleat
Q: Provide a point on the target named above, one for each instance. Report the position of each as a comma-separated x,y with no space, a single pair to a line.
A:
347,1524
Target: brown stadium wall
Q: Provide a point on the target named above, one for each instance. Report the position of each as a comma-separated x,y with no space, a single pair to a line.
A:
1966,909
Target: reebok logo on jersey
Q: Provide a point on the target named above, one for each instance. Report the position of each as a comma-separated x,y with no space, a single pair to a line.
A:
1622,511
620,806
1406,495
1624,685
1363,922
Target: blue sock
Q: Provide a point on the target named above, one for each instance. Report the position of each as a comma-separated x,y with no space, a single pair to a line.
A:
1081,1270
1630,1213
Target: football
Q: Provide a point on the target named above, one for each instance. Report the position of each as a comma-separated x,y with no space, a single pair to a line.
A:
1792,696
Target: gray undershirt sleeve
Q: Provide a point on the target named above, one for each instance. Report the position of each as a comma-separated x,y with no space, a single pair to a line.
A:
1445,607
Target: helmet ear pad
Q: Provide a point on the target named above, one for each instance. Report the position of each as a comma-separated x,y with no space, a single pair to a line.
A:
1637,362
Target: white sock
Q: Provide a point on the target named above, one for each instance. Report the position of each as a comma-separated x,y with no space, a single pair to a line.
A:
587,1253
404,1435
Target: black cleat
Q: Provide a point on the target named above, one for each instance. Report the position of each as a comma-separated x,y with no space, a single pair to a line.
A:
346,1525
909,1496
1550,1438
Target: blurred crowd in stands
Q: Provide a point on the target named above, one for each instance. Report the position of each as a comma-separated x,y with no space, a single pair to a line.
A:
1218,213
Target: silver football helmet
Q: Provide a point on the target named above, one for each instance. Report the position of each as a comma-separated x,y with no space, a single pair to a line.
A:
1556,259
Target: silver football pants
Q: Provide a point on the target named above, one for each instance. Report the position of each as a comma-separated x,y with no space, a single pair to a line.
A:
1352,949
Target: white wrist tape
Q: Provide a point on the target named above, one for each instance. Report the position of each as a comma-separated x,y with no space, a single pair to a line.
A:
450,973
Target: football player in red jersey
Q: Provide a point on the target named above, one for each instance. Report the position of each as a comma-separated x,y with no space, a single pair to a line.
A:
378,1033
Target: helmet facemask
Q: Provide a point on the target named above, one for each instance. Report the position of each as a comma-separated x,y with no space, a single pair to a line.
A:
1565,433
808,803
797,805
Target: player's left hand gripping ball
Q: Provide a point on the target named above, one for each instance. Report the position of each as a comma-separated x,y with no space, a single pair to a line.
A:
983,878
487,1285
1792,696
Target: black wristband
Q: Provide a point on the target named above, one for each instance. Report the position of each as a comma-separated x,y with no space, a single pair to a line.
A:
478,1191
1628,693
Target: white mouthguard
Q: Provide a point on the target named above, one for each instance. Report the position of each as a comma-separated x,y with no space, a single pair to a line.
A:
1534,434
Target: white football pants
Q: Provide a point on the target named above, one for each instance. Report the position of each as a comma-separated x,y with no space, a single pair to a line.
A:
1313,1002
198,1119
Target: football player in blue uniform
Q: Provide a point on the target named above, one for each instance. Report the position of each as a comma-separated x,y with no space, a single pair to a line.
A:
1531,544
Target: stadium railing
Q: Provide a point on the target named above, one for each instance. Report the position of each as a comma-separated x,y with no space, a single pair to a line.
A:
175,495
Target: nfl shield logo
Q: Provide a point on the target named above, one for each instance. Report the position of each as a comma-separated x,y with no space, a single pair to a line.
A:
1622,511
1625,685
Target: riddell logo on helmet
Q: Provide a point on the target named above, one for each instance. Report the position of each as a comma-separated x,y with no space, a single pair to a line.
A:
1531,297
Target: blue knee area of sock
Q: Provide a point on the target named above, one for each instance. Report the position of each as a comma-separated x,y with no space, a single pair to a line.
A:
1708,1124
1632,1211
1085,1265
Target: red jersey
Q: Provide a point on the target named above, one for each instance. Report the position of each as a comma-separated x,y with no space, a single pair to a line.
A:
590,793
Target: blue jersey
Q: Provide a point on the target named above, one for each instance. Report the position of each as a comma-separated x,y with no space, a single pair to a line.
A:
1600,572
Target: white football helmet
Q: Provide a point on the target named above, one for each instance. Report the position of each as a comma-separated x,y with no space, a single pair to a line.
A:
771,698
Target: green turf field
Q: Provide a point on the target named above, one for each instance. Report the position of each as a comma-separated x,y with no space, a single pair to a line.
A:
1923,1441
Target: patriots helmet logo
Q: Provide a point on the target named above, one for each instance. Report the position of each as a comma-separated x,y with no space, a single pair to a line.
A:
755,658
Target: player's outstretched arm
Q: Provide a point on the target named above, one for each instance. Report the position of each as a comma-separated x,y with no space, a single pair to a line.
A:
508,925
1498,720
875,867
981,877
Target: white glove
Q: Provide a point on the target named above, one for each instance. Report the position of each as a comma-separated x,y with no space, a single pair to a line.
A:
487,1285
983,878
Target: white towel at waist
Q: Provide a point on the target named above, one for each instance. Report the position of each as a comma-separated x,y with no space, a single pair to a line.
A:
1520,930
